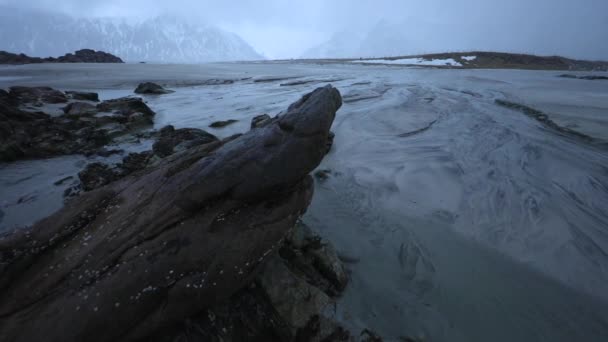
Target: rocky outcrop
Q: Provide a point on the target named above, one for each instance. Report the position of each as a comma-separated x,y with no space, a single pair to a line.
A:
173,140
260,121
137,257
37,95
223,123
80,56
150,88
84,128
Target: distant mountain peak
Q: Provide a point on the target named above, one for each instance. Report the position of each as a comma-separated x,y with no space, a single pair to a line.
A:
166,38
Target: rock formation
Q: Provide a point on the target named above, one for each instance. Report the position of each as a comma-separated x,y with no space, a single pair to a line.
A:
80,56
139,256
26,132
150,88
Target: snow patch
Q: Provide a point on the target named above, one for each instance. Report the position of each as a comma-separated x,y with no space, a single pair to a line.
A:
413,61
469,58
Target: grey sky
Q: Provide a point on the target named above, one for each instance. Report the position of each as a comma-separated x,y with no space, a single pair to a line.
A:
286,28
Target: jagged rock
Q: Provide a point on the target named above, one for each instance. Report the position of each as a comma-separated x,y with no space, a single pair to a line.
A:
173,140
151,89
295,301
144,253
135,162
37,135
327,262
80,109
82,96
330,141
37,94
96,175
220,124
131,111
260,121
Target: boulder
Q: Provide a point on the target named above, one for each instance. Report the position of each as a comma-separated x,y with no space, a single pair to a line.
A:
224,123
151,89
126,106
260,121
82,96
142,254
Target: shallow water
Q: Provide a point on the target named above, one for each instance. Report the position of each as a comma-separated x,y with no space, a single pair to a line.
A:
469,221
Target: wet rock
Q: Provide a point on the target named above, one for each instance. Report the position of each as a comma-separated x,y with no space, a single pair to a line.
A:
151,89
370,336
96,175
80,109
146,252
126,106
130,111
220,124
63,180
330,142
37,135
323,175
173,140
327,262
37,94
135,162
82,96
295,301
260,121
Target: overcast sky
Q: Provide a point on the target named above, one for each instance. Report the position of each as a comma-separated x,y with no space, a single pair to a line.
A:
286,28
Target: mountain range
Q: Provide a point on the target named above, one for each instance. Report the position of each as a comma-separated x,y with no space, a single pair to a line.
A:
165,39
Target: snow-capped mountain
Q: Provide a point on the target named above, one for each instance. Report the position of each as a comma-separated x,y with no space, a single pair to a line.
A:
382,39
163,39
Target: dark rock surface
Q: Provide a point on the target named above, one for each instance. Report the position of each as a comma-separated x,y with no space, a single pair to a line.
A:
260,121
82,96
80,56
175,140
587,77
26,134
151,89
96,175
37,95
136,258
224,123
80,109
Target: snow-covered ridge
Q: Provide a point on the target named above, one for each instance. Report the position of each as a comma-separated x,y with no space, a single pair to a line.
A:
163,39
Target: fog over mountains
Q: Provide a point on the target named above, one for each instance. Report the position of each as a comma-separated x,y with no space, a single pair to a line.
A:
166,39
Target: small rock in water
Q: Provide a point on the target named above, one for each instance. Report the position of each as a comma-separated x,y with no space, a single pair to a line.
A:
323,174
151,89
220,124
